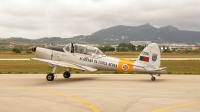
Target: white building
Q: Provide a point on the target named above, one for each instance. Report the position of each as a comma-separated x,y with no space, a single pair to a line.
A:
136,43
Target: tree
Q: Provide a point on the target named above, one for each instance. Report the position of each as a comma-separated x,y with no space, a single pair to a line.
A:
140,48
131,47
16,50
122,47
106,48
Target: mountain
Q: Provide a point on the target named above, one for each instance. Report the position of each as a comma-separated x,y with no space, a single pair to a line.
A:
146,32
120,33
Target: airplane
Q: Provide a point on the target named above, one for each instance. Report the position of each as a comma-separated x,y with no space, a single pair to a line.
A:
89,58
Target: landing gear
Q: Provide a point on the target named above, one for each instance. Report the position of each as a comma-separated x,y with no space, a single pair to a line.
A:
153,78
66,74
50,77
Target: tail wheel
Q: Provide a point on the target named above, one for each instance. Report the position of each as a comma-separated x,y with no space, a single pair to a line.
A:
153,78
66,74
50,77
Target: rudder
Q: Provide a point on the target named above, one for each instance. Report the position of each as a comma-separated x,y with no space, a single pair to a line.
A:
150,56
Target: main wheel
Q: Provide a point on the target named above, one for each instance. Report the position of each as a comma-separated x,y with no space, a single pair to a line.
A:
50,77
153,78
66,74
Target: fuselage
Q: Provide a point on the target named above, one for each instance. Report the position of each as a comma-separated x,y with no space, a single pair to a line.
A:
94,58
95,61
84,57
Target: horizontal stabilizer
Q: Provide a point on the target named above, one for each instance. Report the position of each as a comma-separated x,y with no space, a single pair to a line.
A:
154,70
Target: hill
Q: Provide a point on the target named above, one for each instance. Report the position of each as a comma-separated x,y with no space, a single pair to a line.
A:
145,32
120,33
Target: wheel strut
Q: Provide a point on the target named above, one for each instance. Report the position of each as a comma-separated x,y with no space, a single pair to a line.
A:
50,76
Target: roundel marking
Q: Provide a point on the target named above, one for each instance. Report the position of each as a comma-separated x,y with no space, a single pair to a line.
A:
125,67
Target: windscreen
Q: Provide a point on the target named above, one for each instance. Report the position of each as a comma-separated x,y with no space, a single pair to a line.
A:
80,49
66,48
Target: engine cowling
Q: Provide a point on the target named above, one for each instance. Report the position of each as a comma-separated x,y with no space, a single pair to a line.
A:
33,49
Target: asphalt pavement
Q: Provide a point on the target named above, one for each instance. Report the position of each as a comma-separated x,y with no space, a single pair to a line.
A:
99,92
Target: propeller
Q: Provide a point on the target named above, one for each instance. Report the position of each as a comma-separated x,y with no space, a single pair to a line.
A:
33,49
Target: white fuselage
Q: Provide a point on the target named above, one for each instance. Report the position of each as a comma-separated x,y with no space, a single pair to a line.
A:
93,61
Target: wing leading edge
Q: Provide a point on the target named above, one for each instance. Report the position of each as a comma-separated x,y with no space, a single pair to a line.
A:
66,64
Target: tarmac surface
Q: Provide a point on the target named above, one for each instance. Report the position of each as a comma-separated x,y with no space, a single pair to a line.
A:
99,92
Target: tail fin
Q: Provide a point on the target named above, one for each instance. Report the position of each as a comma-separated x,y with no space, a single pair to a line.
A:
150,56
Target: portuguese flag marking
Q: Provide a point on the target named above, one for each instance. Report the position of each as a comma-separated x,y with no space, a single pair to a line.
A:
143,58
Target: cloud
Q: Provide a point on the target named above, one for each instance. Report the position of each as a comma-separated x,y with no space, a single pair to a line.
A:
61,18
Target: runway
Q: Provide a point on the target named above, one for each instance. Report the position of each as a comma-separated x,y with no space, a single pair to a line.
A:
100,92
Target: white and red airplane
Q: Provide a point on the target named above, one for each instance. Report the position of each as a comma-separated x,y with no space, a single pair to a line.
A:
84,57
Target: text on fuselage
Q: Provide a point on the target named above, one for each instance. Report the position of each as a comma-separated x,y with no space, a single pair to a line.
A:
145,53
97,61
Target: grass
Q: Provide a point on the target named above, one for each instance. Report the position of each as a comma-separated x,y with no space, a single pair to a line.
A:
9,54
180,55
181,66
36,67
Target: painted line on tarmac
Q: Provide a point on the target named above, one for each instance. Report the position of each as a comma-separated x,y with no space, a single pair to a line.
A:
56,93
177,106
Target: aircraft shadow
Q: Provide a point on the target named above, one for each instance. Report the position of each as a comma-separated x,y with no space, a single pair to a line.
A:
149,80
63,80
103,79
134,80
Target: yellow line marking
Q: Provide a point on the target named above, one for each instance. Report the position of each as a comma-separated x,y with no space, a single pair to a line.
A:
59,94
177,106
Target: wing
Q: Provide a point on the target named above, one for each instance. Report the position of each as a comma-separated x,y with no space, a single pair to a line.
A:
66,64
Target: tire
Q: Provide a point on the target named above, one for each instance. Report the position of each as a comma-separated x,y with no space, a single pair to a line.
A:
153,78
50,77
66,74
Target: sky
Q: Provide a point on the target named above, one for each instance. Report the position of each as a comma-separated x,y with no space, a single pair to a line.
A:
68,18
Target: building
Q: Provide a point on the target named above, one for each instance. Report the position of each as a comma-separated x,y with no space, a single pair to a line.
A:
177,46
142,43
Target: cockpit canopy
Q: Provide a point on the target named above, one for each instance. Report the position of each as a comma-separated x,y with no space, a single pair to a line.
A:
83,49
